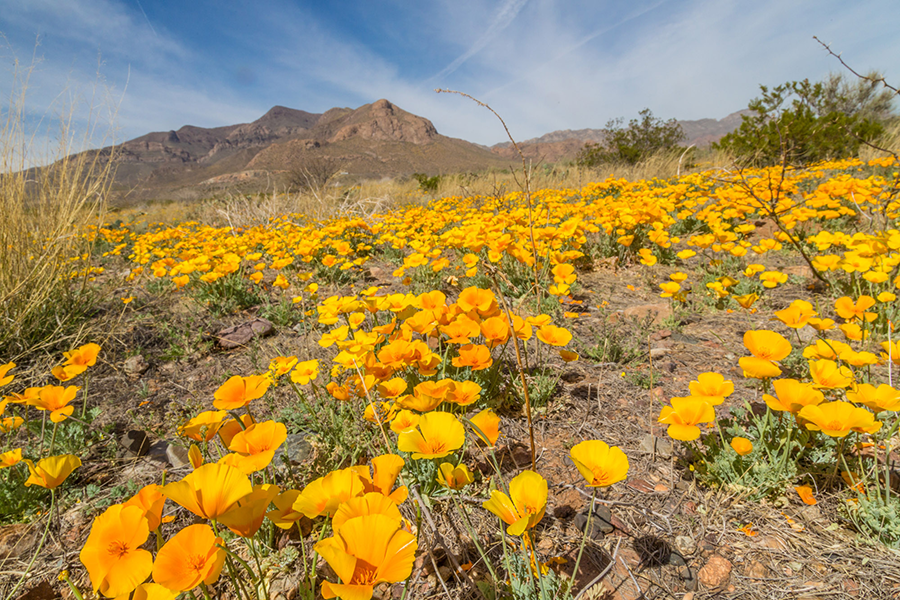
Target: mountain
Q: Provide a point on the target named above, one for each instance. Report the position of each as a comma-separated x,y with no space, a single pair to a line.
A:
374,140
565,144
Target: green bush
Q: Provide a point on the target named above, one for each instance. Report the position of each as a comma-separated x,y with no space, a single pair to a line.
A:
803,122
630,145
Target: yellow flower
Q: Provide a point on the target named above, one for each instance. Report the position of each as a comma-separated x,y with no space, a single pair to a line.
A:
792,395
684,415
884,397
599,464
112,553
51,471
837,419
438,434
239,391
741,445
827,374
210,491
191,556
487,426
524,507
712,387
454,478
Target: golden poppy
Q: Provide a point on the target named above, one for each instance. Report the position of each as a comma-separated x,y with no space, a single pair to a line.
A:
364,552
797,315
280,365
204,426
112,555
524,507
10,458
455,478
405,420
239,391
210,491
792,395
827,374
684,415
837,419
245,517
51,471
385,471
83,356
476,356
257,444
325,494
56,399
464,393
805,493
230,428
438,434
190,557
4,369
284,515
767,345
487,426
741,445
371,503
151,500
849,310
599,464
554,336
305,372
712,387
884,397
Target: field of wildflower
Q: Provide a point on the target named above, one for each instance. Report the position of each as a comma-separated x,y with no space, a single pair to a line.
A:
638,389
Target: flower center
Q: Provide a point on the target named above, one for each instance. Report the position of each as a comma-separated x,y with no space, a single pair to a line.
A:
118,549
834,426
363,574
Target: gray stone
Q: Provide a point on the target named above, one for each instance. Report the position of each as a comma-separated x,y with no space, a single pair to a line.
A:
656,445
240,335
136,365
296,447
134,443
178,456
601,522
685,545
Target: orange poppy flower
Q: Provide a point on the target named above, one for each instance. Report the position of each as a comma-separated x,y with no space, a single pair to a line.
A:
258,444
495,331
476,356
371,503
741,445
280,365
385,471
50,472
189,557
524,507
438,434
884,397
56,399
4,369
239,391
554,336
461,330
204,426
806,494
464,393
67,372
284,515
305,372
83,356
797,315
364,552
455,478
10,458
151,591
112,555
827,374
245,517
767,345
325,494
712,387
392,388
792,395
599,464
684,415
476,299
210,491
837,419
230,428
487,426
405,420
151,500
849,310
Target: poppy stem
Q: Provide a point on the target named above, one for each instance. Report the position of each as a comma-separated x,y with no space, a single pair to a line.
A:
587,532
38,549
84,395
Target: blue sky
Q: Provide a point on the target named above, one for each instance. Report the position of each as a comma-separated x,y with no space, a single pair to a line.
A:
542,64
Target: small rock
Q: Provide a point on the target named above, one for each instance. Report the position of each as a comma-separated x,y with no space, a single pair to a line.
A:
640,485
659,446
240,335
716,572
756,570
658,312
296,447
660,488
601,522
42,591
444,572
178,456
136,365
685,545
690,580
659,352
134,443
850,587
660,335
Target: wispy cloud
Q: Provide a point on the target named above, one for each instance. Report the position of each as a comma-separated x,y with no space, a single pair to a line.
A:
504,17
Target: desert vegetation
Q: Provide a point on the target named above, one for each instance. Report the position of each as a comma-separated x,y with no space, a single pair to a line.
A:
679,384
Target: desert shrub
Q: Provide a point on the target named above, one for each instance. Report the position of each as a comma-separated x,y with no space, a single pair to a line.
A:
634,143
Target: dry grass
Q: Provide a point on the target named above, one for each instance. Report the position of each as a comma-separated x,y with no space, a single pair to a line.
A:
890,141
46,210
